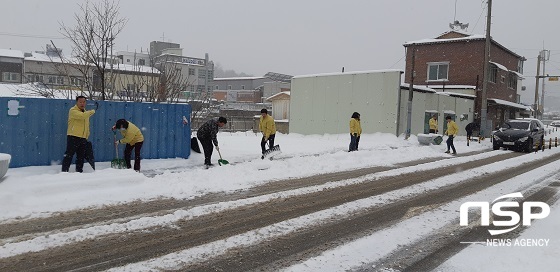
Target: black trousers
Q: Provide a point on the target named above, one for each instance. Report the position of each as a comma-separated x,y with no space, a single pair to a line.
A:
270,142
208,148
450,143
354,142
128,153
74,145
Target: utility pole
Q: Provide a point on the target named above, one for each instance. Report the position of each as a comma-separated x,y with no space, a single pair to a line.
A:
410,94
536,113
544,58
484,98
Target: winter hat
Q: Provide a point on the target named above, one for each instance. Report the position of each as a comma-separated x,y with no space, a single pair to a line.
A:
264,111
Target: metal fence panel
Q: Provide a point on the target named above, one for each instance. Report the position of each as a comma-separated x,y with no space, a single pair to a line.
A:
33,130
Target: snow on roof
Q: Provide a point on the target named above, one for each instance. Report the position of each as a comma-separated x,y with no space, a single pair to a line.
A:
119,67
278,94
452,86
23,90
135,68
510,104
472,37
237,78
35,56
458,94
502,67
350,73
418,87
11,53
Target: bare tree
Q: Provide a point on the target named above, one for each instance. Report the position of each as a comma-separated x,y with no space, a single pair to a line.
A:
135,82
97,26
174,81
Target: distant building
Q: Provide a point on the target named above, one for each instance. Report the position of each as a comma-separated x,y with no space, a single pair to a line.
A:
250,89
133,58
11,66
196,74
454,62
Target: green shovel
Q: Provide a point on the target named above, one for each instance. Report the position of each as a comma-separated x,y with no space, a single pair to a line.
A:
221,161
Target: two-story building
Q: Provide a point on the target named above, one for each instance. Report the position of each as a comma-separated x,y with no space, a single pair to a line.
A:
11,66
454,62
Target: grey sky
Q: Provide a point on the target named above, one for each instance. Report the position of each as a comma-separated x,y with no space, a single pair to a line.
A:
301,37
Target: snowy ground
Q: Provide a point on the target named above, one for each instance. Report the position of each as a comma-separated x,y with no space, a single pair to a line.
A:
40,191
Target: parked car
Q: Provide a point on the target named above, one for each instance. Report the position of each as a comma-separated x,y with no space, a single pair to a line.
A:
555,123
521,134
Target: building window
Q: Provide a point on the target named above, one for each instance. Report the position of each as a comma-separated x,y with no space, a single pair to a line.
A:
512,81
229,87
217,87
191,71
201,73
242,87
503,79
60,80
141,62
76,81
493,73
127,60
520,66
438,71
11,77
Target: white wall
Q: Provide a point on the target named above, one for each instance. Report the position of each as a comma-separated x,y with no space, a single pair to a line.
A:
434,102
281,109
322,104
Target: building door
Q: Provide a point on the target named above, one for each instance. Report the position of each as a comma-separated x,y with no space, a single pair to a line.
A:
427,116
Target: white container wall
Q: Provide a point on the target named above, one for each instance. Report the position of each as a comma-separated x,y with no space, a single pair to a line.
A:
427,104
323,104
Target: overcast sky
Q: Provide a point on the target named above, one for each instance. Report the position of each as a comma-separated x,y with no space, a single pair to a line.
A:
299,37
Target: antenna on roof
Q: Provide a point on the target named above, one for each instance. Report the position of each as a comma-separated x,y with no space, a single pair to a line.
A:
455,15
456,25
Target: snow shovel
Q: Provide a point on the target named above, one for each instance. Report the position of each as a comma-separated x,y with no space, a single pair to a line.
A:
437,140
117,163
272,151
221,161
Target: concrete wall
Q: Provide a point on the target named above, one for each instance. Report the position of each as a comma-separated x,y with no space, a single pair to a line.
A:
322,104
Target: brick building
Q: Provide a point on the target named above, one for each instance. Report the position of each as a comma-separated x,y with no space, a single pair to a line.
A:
454,62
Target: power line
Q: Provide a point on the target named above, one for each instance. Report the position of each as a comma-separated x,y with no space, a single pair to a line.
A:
30,36
397,62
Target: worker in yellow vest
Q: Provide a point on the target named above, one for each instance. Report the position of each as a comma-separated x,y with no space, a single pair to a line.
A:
355,132
451,132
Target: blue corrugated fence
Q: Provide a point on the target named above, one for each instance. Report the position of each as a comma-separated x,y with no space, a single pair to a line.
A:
33,130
